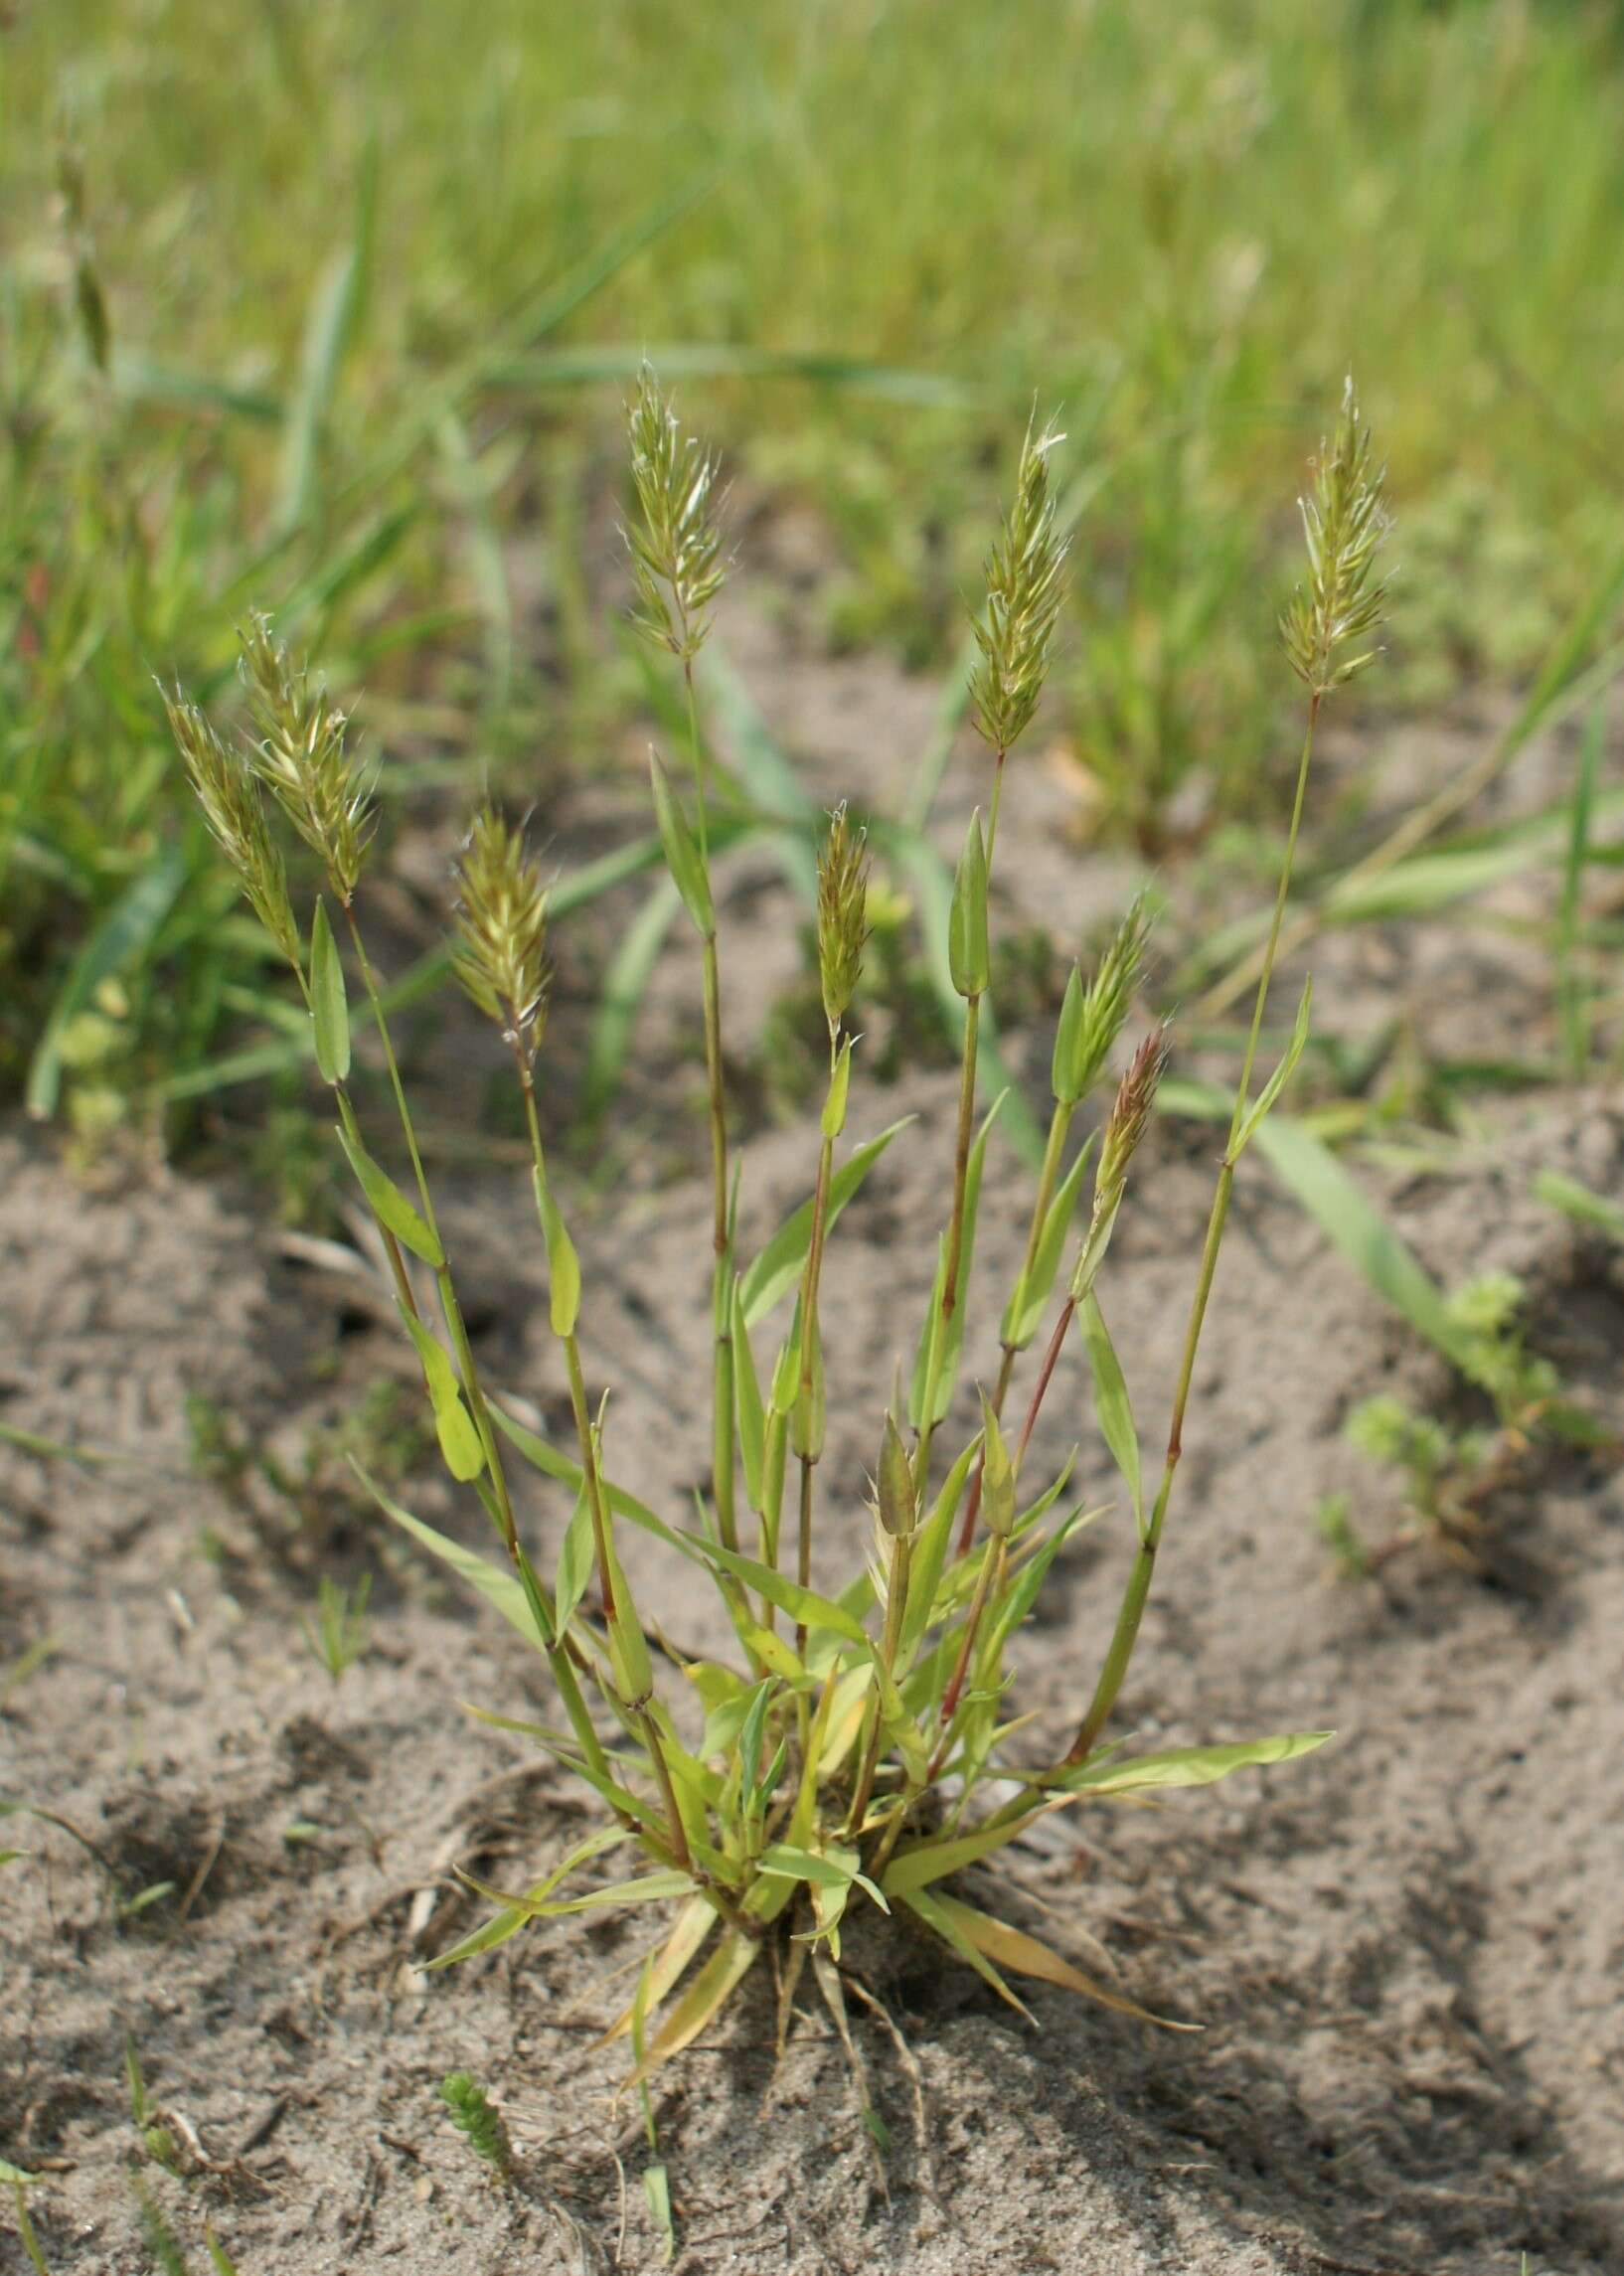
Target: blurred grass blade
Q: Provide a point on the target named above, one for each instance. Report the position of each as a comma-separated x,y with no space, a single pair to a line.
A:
126,932
1310,1171
849,374
1573,1006
1315,1178
336,310
1578,1202
624,985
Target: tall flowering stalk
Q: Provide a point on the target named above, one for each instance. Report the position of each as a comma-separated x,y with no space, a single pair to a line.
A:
676,556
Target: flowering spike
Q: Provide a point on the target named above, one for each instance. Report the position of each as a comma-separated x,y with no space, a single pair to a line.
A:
1344,521
843,893
674,545
236,814
501,920
1025,585
302,760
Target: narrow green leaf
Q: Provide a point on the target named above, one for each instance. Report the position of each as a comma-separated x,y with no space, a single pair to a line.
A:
934,1912
780,1264
803,1605
931,1547
1189,1765
1309,1169
1028,1300
625,983
1281,1075
460,1445
553,1463
1111,1403
1576,1201
496,1583
389,1205
336,305
917,1863
683,856
837,1868
329,1009
751,1415
124,935
563,1264
574,1559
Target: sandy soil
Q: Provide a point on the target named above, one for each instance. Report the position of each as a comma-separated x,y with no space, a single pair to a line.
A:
1404,1951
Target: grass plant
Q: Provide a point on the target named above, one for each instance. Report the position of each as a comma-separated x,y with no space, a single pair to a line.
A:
1448,1474
846,1754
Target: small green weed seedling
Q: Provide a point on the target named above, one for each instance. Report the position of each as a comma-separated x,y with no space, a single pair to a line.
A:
1448,1474
339,1635
859,1748
18,2183
478,2120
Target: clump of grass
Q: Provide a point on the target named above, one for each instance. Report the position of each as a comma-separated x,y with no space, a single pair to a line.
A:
1448,1473
848,1747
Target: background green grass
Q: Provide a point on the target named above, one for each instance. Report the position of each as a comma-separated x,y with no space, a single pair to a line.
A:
374,278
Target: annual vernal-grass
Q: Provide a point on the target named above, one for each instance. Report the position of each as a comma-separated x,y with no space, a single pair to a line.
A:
859,1744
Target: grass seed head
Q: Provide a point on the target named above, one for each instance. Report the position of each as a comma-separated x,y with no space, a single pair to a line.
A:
1125,1126
303,760
501,921
236,815
1344,521
1130,1112
843,896
1026,586
675,542
1091,1018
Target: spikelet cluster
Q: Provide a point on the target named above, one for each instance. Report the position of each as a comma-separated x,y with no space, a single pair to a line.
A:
1025,585
1329,623
1091,1018
1130,1112
675,542
236,815
501,923
1124,1128
843,927
303,760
